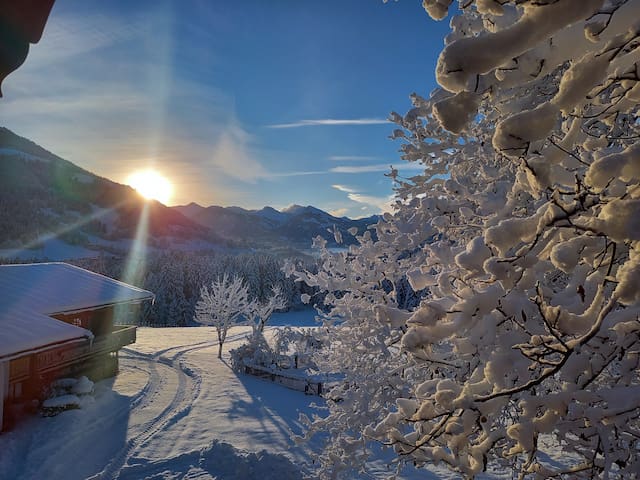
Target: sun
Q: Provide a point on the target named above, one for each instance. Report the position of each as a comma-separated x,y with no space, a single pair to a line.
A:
151,185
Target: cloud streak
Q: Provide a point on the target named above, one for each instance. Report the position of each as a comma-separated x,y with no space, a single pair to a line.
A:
351,158
298,174
348,169
382,203
380,167
344,188
331,122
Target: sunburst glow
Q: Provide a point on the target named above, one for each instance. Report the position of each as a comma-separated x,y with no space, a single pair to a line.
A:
151,185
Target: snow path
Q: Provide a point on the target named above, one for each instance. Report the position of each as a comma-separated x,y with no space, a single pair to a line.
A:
178,385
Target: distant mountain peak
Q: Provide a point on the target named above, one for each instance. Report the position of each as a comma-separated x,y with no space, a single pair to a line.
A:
292,208
267,208
299,209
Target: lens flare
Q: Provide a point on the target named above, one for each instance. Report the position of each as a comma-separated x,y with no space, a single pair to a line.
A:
151,185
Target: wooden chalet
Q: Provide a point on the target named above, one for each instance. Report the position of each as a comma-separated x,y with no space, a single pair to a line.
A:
59,320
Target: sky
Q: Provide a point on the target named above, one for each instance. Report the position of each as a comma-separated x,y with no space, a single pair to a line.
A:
247,103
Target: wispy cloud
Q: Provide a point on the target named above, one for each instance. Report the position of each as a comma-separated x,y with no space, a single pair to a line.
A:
331,121
380,167
339,212
383,204
72,35
232,156
380,204
298,174
344,188
351,158
70,97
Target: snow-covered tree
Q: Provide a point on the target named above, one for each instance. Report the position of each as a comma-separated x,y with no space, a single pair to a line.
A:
222,305
259,312
525,230
257,350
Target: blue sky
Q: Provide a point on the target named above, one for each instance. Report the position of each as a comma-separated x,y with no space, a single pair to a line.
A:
246,103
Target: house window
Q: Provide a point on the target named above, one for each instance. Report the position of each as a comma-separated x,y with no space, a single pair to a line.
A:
77,322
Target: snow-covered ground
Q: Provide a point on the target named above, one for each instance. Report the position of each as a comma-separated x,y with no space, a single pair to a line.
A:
175,411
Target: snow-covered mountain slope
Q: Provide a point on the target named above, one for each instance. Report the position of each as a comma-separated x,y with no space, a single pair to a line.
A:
295,225
43,196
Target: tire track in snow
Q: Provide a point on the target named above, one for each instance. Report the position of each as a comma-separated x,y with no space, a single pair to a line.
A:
179,406
142,398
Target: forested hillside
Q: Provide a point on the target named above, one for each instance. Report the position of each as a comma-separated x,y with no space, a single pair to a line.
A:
176,278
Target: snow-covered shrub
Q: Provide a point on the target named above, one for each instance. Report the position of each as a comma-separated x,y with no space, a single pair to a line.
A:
290,348
73,386
67,394
255,351
525,229
55,405
296,348
259,311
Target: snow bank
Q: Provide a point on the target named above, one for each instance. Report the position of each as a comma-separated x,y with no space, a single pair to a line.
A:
220,461
63,401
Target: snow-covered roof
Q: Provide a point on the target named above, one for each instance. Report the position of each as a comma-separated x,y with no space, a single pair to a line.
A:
24,331
30,293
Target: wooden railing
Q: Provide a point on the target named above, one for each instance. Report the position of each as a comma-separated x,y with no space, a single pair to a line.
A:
120,337
112,342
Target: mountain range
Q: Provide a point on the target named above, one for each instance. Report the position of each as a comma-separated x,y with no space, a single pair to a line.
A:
45,197
295,225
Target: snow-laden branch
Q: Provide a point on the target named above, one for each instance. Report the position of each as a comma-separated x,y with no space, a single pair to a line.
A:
523,235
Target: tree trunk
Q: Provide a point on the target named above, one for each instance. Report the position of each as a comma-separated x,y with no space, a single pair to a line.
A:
222,335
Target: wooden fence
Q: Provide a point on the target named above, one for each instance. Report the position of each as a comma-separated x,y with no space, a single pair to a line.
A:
300,382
